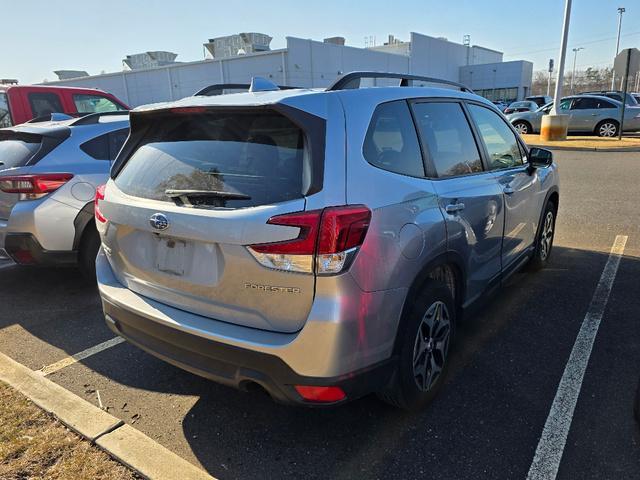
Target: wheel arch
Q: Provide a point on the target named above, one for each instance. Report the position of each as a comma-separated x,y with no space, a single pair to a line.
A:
448,264
83,220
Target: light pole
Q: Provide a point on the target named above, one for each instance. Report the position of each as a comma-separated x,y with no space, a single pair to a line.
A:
575,56
621,10
554,125
549,78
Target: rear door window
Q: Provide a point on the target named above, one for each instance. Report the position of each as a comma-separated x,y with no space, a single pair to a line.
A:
17,150
446,134
5,115
218,160
94,104
391,142
44,103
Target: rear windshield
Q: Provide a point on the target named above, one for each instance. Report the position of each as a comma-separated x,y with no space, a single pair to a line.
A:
16,151
5,115
218,160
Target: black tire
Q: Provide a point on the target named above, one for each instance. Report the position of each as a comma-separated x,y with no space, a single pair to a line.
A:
607,128
523,128
408,389
544,237
636,405
89,246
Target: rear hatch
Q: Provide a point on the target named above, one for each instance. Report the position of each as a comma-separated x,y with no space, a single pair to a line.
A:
192,188
19,149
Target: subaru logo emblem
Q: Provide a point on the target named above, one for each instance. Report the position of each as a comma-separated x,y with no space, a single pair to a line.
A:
159,221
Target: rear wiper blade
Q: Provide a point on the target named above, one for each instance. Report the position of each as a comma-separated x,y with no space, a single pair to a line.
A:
206,193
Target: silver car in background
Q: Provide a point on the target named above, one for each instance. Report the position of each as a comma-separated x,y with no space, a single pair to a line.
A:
587,114
49,171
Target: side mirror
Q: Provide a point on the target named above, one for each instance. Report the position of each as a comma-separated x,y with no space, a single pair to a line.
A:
540,157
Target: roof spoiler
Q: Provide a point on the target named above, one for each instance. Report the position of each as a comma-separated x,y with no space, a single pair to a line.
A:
352,80
51,117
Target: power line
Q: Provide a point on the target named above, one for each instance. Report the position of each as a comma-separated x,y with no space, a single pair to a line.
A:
589,42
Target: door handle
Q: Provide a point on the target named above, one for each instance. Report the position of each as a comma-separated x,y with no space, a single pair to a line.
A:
454,207
508,189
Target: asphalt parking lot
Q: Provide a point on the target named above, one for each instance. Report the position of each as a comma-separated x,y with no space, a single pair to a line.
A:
487,420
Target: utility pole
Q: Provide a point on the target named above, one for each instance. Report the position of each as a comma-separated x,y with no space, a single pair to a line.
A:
573,74
621,10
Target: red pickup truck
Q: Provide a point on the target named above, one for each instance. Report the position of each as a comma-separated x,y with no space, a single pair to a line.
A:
21,103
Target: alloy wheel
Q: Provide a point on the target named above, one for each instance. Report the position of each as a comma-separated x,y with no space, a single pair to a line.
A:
546,239
522,128
431,345
608,129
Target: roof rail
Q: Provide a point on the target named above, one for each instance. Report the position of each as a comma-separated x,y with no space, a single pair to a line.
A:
219,88
92,118
352,80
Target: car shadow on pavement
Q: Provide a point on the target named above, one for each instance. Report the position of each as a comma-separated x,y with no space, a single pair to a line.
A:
488,413
491,408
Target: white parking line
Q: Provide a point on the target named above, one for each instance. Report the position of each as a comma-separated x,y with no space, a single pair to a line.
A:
554,435
65,362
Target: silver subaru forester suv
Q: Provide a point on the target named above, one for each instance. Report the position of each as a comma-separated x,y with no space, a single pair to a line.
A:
318,244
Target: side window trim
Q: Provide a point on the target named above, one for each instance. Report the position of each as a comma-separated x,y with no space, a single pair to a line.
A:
485,153
428,162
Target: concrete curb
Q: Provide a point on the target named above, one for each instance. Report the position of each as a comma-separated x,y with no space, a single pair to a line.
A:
121,441
588,149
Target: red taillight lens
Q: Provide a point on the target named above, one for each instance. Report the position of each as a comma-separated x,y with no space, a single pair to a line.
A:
327,237
321,394
37,184
96,204
305,244
343,228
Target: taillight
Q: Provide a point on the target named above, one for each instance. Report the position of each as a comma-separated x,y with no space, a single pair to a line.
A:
327,240
96,204
34,186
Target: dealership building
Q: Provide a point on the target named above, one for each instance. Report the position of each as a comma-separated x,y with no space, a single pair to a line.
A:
310,63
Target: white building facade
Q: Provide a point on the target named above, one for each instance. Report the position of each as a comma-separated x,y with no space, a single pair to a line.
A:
309,63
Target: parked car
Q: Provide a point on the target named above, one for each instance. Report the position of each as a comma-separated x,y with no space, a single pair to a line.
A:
319,245
636,96
616,95
21,103
524,106
587,113
541,100
49,171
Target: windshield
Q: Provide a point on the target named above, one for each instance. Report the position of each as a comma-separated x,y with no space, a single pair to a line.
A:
218,160
5,115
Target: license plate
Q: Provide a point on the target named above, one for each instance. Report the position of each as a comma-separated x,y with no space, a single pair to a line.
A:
171,256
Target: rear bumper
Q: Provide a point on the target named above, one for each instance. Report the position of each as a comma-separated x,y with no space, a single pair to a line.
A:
321,354
24,249
233,366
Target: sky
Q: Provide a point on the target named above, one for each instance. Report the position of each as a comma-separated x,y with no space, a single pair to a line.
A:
40,36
